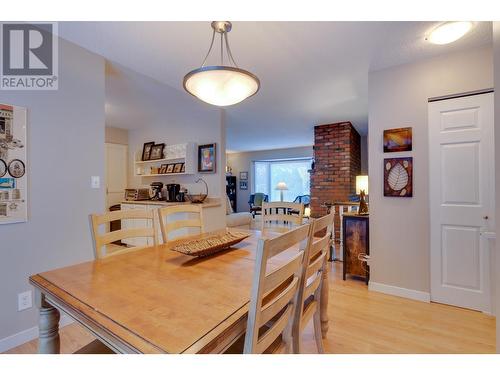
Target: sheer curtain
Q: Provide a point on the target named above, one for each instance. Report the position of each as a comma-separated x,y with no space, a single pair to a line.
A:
293,172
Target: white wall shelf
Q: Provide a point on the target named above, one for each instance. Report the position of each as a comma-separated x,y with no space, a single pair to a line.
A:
179,153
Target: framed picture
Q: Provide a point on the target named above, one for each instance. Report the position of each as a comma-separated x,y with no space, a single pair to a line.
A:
170,168
163,169
398,177
178,167
3,168
243,175
7,183
206,158
243,185
183,168
146,150
157,152
397,140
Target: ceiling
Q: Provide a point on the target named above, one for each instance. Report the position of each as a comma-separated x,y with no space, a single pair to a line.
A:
311,72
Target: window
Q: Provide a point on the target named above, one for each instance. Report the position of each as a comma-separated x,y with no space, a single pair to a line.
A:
293,172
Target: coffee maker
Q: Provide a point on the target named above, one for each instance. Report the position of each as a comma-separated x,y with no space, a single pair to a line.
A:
173,191
156,189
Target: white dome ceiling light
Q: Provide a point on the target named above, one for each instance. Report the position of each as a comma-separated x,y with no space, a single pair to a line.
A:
221,85
449,32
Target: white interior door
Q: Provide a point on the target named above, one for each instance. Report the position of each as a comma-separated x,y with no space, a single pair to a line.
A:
116,173
461,157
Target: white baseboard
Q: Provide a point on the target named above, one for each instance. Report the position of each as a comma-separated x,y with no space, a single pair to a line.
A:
29,334
400,292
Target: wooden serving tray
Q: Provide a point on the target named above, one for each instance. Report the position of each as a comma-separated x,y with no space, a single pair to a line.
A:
202,247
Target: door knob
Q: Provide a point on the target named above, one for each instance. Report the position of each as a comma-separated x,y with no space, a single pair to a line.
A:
485,217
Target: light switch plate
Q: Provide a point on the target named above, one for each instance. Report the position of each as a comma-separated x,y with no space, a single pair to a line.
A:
95,182
24,300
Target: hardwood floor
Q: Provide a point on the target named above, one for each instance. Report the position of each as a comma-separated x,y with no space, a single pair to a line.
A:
362,321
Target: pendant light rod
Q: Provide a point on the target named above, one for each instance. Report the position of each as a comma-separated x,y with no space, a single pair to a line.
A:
221,27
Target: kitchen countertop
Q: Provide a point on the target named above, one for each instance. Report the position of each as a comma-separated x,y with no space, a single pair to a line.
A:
209,202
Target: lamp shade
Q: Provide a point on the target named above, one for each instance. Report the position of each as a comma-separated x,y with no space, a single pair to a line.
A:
307,212
221,85
281,186
361,184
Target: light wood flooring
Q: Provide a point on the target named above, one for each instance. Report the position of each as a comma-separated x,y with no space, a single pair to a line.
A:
363,321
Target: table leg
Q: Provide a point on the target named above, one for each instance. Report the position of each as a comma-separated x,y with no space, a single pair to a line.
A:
48,327
323,308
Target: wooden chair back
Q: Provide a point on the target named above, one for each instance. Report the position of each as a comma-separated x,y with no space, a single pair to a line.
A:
309,291
168,225
273,297
102,239
282,213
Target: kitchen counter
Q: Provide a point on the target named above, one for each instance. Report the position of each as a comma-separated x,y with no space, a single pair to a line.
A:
209,202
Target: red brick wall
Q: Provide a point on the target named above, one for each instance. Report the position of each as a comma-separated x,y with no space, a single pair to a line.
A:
337,155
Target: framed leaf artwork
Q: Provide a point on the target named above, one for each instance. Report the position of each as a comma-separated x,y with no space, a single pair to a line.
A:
398,177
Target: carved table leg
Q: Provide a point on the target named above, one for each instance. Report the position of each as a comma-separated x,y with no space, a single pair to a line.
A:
324,301
48,327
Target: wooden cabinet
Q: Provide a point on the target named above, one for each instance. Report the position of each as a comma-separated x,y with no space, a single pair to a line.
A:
356,239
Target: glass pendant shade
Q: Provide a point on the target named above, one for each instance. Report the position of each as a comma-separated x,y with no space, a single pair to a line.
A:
221,85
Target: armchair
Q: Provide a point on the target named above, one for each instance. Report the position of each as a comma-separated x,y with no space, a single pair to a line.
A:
255,203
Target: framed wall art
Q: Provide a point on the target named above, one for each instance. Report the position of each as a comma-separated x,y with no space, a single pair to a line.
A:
207,158
398,140
157,151
146,150
243,185
398,177
13,165
243,175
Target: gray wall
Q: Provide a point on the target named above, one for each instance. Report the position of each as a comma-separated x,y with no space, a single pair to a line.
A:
243,162
65,148
496,43
399,227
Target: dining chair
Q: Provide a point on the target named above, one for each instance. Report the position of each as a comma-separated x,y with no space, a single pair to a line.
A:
282,215
169,224
274,294
309,290
107,238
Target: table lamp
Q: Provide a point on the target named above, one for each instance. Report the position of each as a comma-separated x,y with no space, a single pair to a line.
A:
281,187
362,190
307,212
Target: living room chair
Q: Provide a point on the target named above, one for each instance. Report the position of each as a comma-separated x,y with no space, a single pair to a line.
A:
255,202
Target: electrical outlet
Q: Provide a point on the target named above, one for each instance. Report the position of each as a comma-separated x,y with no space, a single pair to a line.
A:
95,182
24,300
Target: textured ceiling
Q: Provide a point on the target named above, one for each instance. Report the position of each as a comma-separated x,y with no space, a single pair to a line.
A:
310,72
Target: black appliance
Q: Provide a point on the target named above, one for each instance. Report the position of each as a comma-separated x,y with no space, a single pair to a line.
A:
156,188
173,191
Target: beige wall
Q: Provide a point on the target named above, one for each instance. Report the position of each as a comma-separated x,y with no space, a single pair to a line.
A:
399,227
65,148
496,42
243,162
116,135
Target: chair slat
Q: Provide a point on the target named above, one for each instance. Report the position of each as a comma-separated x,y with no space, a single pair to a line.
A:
283,214
278,276
308,312
319,245
316,265
168,225
125,233
268,338
278,303
311,288
123,214
282,243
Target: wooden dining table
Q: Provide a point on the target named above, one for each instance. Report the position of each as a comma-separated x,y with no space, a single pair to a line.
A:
156,300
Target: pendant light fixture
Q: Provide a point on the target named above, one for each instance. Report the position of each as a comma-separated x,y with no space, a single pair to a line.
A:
221,85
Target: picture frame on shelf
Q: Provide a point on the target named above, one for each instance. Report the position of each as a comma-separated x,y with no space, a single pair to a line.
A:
178,167
157,151
183,168
163,169
146,150
207,158
244,176
170,168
